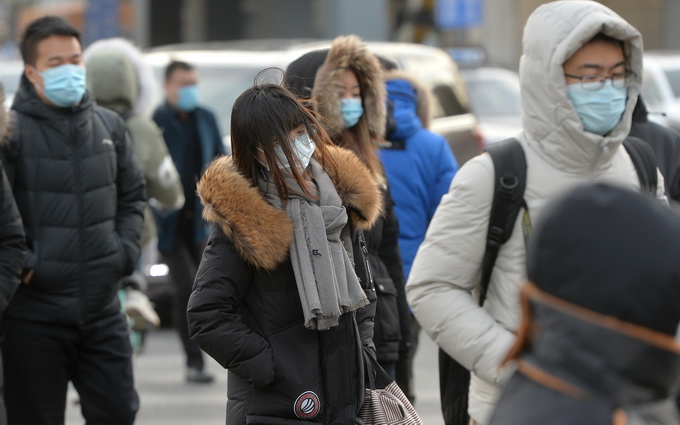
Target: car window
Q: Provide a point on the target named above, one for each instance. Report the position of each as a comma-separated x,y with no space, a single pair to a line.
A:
492,98
673,76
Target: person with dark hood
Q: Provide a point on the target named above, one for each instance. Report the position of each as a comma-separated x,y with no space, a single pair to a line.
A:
279,299
345,87
665,143
81,196
597,342
12,239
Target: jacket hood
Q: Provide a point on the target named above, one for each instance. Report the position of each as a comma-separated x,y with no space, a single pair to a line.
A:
612,251
261,233
4,118
349,52
604,358
552,34
119,78
410,105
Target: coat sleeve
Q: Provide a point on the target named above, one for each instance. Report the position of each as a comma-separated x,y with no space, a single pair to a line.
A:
221,284
162,179
390,255
447,269
446,168
12,243
131,200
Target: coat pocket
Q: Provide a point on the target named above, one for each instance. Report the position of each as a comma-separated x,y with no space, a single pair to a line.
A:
387,312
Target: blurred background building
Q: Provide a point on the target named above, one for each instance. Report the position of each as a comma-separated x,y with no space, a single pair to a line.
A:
494,26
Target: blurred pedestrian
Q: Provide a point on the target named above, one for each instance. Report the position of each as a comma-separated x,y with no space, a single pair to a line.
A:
120,80
577,56
665,143
290,327
81,196
12,239
597,341
193,139
348,92
420,166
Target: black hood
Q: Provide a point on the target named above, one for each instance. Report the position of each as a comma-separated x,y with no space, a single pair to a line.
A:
613,251
28,102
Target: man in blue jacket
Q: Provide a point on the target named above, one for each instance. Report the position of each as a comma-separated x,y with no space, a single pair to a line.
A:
193,140
420,166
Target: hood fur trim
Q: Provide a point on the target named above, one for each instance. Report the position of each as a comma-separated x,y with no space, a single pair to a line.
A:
423,97
147,87
350,52
261,233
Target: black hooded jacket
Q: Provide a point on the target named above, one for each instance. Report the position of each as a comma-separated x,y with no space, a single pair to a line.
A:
81,196
666,146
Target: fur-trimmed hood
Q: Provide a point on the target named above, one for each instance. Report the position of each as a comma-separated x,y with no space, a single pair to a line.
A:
262,233
350,52
119,78
4,118
422,97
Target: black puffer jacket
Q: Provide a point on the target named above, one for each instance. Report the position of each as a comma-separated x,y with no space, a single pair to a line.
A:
81,197
392,335
245,309
666,146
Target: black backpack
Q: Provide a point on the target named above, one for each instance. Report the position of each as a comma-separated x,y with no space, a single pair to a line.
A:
510,169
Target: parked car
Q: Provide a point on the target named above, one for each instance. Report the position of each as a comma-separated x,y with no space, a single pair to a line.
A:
10,75
661,87
226,69
495,98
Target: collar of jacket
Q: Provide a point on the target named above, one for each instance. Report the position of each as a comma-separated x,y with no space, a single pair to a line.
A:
349,52
28,102
553,33
261,233
600,355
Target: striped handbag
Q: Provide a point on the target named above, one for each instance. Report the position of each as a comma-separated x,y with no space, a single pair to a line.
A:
385,406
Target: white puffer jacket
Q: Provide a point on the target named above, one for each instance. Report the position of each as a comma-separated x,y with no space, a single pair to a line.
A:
444,283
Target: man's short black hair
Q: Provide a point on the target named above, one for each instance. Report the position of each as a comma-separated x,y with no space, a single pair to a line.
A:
41,29
174,65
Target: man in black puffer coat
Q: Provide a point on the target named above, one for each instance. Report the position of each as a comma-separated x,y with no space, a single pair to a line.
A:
81,197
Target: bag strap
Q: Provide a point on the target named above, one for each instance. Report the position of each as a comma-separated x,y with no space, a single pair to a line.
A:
644,161
510,168
374,370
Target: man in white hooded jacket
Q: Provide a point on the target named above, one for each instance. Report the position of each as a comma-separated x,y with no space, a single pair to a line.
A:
575,55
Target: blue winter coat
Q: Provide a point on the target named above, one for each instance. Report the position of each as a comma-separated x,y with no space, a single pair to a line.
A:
211,147
419,167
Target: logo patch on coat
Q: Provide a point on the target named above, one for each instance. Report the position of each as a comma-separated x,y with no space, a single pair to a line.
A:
307,405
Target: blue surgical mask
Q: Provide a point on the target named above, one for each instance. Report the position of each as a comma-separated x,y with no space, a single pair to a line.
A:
600,110
351,111
303,148
187,99
64,84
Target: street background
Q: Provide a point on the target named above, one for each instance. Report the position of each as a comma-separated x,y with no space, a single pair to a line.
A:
166,399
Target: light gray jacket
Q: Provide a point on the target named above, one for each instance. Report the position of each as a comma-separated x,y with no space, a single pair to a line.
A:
444,282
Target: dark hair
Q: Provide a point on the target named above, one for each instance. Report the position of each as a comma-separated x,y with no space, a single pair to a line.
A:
301,73
267,113
174,65
40,29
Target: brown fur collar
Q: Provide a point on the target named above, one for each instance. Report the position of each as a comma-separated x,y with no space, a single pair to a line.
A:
423,96
262,233
350,52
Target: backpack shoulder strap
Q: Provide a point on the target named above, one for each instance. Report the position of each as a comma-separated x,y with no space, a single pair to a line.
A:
644,161
510,181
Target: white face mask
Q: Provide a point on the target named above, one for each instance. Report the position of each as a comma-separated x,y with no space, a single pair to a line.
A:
303,148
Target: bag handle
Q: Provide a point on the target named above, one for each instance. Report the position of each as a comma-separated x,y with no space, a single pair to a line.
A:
373,370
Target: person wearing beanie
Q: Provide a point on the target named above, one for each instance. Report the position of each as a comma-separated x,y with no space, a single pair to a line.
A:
120,80
600,312
12,239
419,166
344,86
577,56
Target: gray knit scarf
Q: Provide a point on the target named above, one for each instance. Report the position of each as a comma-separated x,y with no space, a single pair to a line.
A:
324,272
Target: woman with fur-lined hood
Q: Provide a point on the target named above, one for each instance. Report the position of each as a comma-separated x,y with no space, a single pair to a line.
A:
348,93
281,297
